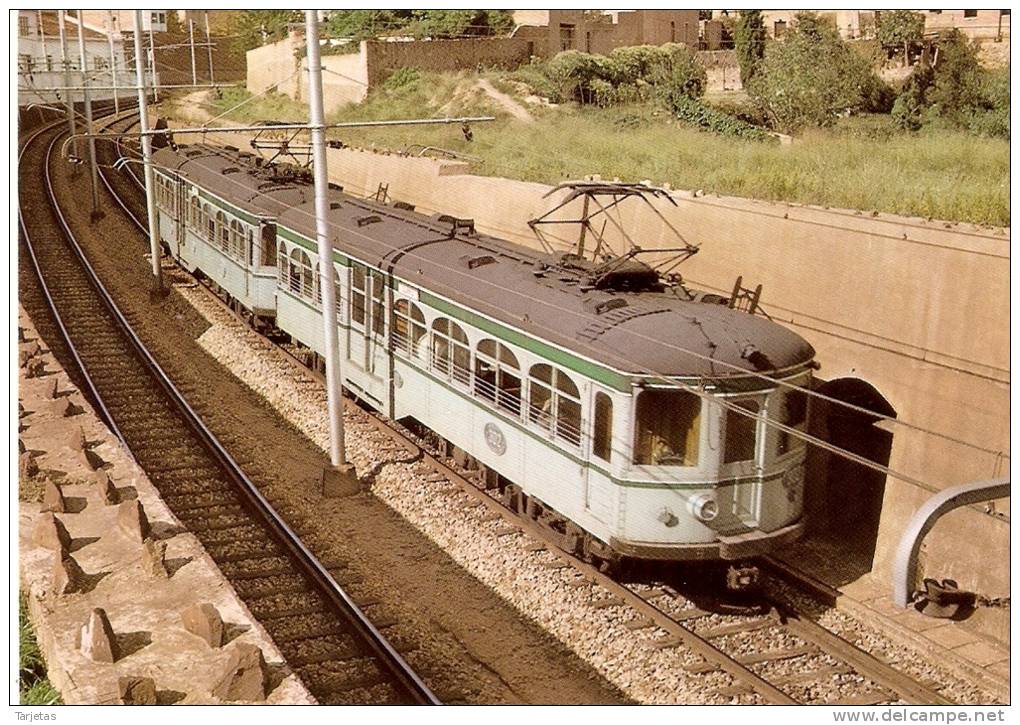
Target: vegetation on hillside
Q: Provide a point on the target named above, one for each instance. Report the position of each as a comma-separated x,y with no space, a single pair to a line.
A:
863,162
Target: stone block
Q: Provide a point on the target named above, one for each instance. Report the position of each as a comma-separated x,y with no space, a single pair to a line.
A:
244,675
68,577
136,690
107,491
27,467
131,519
50,533
96,640
35,367
154,559
53,498
203,620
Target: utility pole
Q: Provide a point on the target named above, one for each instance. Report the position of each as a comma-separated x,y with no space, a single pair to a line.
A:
93,172
208,47
191,34
42,41
113,61
68,97
143,122
152,63
341,479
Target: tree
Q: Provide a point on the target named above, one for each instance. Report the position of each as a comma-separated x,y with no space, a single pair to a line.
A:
458,23
253,28
812,75
900,29
749,41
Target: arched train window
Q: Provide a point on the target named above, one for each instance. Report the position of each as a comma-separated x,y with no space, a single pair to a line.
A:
498,376
407,328
554,403
451,354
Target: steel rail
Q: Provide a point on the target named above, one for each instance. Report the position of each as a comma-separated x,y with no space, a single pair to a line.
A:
340,599
93,392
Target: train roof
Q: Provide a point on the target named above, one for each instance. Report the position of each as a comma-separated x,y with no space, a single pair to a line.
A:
231,174
649,333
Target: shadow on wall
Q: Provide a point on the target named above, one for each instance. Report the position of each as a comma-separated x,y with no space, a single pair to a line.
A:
843,499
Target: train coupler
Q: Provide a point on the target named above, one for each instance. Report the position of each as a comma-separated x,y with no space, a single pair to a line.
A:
742,577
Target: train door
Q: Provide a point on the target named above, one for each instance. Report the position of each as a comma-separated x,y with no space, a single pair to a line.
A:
366,347
596,483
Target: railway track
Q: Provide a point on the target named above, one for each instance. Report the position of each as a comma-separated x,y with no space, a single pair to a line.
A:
776,655
319,628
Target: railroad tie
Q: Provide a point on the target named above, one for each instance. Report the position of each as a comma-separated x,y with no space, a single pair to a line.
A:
667,642
640,623
610,601
776,655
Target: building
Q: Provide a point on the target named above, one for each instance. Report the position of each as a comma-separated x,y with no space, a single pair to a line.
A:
40,73
851,24
123,20
600,31
975,24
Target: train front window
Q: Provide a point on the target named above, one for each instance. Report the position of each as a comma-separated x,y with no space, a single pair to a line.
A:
667,431
741,430
793,413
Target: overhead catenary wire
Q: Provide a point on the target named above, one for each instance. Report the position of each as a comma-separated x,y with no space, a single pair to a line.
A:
655,375
846,404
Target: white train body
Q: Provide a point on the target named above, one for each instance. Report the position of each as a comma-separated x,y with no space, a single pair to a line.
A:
647,463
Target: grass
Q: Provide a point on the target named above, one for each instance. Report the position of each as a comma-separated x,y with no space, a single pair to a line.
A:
33,687
862,163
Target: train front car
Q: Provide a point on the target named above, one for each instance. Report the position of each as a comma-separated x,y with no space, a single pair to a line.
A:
714,466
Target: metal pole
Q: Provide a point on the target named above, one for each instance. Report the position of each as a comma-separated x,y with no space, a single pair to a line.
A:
152,63
191,34
42,41
93,171
208,47
66,64
337,452
143,122
113,61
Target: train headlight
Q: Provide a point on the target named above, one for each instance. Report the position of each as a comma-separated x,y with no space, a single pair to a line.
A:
704,507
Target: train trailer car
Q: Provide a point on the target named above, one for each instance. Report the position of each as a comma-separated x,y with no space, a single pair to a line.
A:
630,415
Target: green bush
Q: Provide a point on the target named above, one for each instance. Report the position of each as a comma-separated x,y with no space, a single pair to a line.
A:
572,73
812,76
405,76
697,114
956,93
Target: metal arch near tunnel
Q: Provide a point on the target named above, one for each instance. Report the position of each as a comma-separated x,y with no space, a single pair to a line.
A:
905,567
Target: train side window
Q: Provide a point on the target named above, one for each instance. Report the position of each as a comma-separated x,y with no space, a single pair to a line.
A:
237,240
667,428
602,428
358,296
451,353
793,413
554,402
222,232
407,327
300,276
209,222
336,286
268,235
378,304
741,431
498,376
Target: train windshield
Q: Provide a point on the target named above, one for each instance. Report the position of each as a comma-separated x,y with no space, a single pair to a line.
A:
668,428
